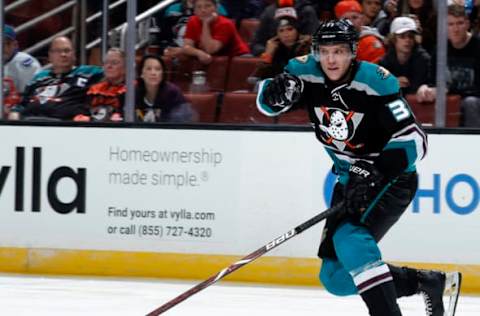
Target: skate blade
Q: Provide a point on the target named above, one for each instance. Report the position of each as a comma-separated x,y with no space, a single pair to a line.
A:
453,283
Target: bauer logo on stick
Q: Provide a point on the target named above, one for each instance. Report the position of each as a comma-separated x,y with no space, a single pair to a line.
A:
280,239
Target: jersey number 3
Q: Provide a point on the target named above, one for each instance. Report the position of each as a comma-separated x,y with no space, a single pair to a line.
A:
399,110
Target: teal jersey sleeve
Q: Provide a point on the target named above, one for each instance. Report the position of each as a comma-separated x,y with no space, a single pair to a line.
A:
306,68
176,9
375,80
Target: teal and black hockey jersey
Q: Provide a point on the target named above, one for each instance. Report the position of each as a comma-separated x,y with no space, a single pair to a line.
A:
365,118
60,96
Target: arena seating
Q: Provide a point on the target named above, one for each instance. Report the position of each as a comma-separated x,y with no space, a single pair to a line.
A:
296,117
240,72
425,112
247,29
205,104
216,72
241,108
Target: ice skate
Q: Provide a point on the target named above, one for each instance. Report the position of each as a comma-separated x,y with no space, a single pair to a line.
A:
434,285
453,284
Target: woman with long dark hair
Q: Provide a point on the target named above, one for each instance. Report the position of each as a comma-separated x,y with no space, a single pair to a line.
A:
158,100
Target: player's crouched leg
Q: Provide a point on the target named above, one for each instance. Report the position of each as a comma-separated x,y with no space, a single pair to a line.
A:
359,254
336,279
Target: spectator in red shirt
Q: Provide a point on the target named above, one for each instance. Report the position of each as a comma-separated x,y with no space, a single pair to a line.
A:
210,34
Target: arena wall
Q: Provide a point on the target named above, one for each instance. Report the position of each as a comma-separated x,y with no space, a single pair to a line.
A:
185,203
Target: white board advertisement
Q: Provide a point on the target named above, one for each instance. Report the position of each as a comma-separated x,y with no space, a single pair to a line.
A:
211,191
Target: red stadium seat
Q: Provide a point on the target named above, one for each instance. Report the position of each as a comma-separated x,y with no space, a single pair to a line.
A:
241,68
296,117
425,112
170,66
205,104
216,72
247,29
241,108
181,71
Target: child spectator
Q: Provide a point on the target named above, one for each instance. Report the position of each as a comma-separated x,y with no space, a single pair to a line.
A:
156,99
307,24
173,23
210,34
286,44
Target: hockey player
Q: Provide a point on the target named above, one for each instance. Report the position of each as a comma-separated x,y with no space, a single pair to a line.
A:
370,133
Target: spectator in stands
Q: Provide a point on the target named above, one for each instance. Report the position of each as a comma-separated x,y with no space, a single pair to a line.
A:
156,99
405,58
286,44
209,34
423,12
58,93
172,23
19,66
106,98
375,16
463,67
371,45
307,24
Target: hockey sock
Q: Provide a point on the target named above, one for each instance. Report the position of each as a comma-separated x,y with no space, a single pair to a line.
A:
381,300
405,279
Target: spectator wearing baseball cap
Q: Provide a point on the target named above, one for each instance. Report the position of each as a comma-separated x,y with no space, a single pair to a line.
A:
19,66
370,44
287,43
307,24
405,57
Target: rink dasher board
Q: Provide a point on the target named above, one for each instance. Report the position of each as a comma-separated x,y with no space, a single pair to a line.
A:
158,202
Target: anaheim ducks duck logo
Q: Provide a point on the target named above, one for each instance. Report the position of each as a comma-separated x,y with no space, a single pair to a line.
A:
383,73
338,126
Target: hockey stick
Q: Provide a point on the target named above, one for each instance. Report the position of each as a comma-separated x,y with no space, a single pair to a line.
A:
246,260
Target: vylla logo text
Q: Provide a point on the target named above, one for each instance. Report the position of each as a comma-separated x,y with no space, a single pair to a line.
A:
78,176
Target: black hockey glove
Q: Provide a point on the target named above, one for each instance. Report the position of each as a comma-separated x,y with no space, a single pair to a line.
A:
364,184
284,90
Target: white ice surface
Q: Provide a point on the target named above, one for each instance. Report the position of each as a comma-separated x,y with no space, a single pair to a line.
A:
55,296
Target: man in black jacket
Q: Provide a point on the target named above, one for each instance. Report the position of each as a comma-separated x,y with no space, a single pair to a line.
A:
463,67
58,93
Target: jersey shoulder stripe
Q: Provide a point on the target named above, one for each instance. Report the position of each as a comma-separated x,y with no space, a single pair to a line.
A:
375,80
87,70
306,68
42,74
